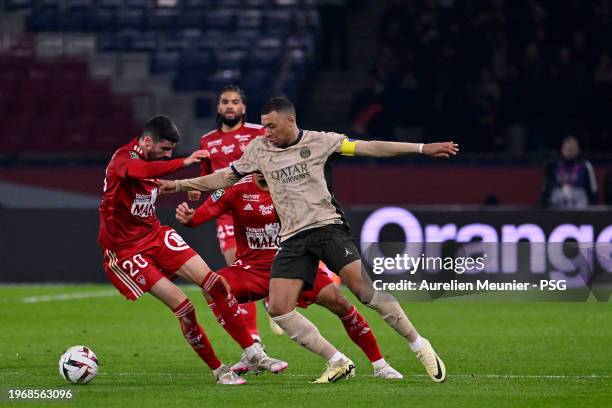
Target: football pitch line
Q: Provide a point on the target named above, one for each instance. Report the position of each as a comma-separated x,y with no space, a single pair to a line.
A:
68,296
312,376
501,376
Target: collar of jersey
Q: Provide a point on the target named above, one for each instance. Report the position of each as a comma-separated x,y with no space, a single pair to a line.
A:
299,138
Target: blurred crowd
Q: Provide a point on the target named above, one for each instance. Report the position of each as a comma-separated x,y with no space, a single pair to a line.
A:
502,75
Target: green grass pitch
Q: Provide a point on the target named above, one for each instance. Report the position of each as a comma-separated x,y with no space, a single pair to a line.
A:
496,354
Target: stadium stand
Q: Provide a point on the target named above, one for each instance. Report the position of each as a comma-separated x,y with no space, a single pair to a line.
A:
508,76
196,46
53,106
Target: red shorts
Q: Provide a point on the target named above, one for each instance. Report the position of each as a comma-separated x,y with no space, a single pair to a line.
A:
249,284
225,232
134,271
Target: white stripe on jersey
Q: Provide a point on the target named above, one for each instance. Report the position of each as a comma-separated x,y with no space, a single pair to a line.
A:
252,125
122,275
209,133
246,179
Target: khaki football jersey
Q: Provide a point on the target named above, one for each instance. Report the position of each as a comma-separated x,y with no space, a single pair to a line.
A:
296,178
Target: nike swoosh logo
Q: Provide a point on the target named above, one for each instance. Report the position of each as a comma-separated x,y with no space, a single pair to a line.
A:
346,372
333,377
438,376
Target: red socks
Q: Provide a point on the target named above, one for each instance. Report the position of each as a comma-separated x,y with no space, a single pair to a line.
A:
195,335
359,331
228,309
249,313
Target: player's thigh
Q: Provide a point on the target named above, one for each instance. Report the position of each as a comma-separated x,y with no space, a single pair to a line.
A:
334,246
323,285
238,283
174,256
357,281
168,293
333,300
194,270
283,295
294,261
132,273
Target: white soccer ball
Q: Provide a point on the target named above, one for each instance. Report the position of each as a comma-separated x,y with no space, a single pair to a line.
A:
78,365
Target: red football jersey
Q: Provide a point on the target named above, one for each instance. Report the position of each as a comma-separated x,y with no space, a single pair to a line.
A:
226,147
256,226
127,211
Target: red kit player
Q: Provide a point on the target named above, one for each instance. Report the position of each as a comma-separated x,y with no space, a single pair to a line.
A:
225,145
141,255
256,230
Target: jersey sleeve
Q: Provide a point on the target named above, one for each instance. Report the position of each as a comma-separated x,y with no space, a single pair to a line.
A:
333,142
217,204
247,163
129,164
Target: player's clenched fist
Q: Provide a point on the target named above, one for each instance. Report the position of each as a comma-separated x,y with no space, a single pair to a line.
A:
166,186
184,214
194,195
196,157
443,149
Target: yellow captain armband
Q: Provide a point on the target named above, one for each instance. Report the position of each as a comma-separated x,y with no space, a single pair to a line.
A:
347,148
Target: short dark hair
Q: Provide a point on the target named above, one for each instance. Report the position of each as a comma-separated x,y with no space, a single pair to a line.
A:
232,88
278,104
161,127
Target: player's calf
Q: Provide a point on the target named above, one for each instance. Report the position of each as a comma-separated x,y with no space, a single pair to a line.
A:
228,312
357,328
193,332
228,308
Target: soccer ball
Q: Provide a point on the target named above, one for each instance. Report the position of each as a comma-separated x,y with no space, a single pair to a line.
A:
78,365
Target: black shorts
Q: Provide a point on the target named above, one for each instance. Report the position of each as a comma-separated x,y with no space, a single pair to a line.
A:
298,257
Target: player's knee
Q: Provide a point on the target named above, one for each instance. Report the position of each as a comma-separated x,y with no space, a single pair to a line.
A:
331,298
277,308
363,292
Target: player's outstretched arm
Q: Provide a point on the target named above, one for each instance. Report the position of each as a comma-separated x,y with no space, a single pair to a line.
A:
215,181
375,148
159,168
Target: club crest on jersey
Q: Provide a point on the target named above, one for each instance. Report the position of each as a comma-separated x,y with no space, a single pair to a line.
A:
141,279
217,194
305,152
134,155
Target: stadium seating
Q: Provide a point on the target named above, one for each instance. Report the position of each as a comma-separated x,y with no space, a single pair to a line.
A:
200,45
50,106
255,33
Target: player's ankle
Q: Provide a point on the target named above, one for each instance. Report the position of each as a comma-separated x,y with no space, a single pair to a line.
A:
417,344
217,372
337,356
253,350
379,363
